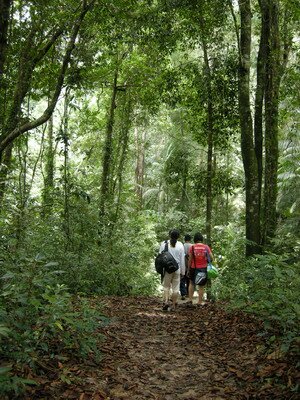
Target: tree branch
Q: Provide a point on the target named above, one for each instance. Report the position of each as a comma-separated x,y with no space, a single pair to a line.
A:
27,126
236,28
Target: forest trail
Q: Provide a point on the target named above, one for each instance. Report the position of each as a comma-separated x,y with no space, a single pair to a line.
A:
198,353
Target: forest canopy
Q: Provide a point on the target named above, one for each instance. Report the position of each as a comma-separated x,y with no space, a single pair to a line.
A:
122,119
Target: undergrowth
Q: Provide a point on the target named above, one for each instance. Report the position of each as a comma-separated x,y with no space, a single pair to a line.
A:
266,285
41,322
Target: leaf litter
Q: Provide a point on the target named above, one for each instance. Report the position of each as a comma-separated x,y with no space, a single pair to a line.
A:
198,353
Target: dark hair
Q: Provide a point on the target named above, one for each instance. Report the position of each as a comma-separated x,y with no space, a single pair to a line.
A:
187,237
198,237
174,235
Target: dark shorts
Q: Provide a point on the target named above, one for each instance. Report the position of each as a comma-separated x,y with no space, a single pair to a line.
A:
193,276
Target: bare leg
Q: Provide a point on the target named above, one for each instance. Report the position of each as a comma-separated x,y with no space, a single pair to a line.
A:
191,291
200,293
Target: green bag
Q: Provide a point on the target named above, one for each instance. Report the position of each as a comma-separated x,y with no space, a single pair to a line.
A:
212,271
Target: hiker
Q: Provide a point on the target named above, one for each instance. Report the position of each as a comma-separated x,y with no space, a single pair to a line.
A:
199,256
175,247
184,280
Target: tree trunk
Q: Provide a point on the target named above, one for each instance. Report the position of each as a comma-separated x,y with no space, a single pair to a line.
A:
184,176
49,171
4,170
107,153
259,102
27,66
247,145
23,190
4,22
140,165
210,128
14,113
124,141
66,174
271,118
14,127
184,204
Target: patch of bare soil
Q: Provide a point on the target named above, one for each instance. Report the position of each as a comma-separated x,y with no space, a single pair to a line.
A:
198,353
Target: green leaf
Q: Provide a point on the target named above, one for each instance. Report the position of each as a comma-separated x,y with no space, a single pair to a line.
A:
8,275
4,330
29,381
51,264
4,370
59,325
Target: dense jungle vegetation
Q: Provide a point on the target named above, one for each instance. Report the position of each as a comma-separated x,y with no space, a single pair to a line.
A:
122,119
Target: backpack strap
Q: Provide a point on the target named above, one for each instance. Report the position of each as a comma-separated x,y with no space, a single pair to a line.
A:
208,256
166,245
165,249
194,256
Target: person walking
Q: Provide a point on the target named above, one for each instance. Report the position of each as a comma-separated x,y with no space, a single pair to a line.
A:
172,281
199,256
184,280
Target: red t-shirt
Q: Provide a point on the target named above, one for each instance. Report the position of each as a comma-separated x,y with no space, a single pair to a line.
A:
201,252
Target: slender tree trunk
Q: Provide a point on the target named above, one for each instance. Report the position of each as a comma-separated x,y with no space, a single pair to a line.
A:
4,23
271,118
184,178
247,145
259,102
25,186
184,170
66,174
227,194
49,171
5,168
209,196
107,152
124,139
210,128
23,190
140,165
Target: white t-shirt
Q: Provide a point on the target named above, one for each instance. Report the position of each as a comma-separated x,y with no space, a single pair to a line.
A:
178,253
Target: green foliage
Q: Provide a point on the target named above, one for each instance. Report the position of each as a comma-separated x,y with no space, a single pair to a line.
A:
161,109
288,179
267,285
124,265
223,182
172,219
229,242
11,384
41,320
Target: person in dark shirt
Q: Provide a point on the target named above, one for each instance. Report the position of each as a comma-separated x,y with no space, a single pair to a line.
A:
184,280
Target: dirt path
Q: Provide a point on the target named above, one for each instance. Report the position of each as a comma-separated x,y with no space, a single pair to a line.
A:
199,353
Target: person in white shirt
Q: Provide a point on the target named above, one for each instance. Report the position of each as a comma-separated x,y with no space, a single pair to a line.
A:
172,281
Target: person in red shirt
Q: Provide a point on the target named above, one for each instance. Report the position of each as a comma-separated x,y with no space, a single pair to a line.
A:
199,256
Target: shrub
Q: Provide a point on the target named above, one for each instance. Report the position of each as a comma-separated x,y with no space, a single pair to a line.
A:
41,320
268,286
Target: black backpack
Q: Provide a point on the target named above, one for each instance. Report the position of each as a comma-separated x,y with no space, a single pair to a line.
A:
165,262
